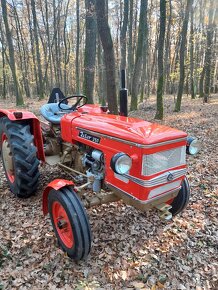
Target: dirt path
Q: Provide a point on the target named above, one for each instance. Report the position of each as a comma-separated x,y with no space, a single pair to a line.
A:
130,250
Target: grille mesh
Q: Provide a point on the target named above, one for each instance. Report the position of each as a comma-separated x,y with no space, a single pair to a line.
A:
160,161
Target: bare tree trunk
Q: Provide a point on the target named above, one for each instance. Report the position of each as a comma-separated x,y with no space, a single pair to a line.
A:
38,55
105,35
208,53
160,85
139,54
77,46
123,35
167,55
90,50
23,55
192,83
19,98
182,55
49,43
3,53
130,46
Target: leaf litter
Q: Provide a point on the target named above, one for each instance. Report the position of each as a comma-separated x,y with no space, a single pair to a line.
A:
130,250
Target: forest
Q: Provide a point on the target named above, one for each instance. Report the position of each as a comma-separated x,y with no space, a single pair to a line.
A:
168,50
166,47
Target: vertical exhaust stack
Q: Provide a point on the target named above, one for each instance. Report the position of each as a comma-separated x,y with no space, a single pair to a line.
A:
123,95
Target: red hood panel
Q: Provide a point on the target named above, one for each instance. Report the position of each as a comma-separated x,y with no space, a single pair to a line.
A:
131,129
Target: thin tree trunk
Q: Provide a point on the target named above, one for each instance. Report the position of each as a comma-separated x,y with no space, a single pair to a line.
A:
167,54
123,35
77,46
107,44
19,98
208,54
23,58
139,54
38,55
160,85
90,50
182,55
130,46
192,83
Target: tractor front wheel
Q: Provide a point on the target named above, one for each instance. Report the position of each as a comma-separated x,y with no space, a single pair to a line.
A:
70,223
180,202
19,157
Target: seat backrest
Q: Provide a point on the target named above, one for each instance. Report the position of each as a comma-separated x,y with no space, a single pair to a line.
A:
56,96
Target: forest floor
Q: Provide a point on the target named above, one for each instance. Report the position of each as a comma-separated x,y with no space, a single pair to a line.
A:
130,250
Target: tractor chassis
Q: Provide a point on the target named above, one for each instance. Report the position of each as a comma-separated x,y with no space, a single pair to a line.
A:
116,194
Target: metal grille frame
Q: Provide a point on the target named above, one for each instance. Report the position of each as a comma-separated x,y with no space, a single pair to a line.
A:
163,160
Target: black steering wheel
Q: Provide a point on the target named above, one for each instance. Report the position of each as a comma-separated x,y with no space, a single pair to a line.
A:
75,106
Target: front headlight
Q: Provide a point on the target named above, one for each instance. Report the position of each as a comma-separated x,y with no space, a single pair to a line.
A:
121,163
193,146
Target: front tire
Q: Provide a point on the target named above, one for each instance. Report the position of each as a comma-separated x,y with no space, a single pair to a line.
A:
70,223
181,200
19,158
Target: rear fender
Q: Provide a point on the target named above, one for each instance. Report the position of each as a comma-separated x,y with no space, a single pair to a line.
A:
34,123
56,185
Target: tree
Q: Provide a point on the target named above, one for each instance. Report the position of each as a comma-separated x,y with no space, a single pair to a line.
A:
123,35
130,45
139,55
192,83
19,98
90,50
38,56
160,84
208,53
107,44
77,46
182,55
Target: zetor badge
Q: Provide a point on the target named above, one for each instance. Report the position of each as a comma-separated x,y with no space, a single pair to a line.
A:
110,157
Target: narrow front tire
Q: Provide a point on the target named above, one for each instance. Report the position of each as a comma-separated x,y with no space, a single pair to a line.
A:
70,222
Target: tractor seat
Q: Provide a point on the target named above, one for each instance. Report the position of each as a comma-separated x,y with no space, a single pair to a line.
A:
52,113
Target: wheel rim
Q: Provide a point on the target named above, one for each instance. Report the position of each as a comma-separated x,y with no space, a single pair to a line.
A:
7,158
62,224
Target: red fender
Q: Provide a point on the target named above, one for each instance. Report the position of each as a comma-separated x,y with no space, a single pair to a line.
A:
34,123
56,185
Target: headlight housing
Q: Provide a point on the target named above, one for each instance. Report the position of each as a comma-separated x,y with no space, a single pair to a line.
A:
121,163
193,146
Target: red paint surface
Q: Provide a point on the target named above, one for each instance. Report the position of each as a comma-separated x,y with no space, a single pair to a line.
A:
56,184
124,128
35,128
65,234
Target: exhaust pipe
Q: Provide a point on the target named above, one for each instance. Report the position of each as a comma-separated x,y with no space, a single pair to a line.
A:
123,95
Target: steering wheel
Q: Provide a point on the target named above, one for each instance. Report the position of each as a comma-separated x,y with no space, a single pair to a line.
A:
75,106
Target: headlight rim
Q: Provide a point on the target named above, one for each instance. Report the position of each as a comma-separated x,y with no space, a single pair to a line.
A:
115,158
190,140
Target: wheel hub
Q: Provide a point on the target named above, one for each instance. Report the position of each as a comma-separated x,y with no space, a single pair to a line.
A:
62,224
7,158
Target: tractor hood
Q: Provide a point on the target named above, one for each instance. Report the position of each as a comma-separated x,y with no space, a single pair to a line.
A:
126,128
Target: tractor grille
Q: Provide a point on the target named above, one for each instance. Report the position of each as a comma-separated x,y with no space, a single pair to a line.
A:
160,161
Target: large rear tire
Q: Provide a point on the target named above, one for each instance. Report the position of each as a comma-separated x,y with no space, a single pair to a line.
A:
70,223
181,200
19,158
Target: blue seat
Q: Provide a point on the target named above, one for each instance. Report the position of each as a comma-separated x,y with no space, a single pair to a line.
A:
52,113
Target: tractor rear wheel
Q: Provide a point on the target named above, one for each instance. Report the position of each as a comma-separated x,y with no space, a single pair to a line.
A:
19,158
180,202
70,223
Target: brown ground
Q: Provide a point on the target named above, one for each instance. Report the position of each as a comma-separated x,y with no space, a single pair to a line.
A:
130,250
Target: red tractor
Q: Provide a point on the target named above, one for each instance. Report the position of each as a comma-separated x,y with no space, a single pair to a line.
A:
110,157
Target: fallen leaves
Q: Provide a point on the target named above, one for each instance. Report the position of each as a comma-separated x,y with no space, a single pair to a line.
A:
130,250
